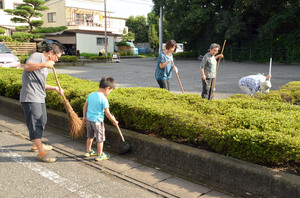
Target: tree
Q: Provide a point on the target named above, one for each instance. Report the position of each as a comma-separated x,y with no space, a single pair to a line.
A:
153,19
244,23
138,25
127,36
2,31
153,37
26,11
24,14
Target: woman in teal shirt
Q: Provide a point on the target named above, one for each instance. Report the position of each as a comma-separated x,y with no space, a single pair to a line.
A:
164,67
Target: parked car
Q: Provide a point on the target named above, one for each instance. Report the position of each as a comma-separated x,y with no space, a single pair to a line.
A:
42,43
134,49
7,58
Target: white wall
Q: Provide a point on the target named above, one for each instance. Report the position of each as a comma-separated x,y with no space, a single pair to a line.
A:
4,17
88,43
86,4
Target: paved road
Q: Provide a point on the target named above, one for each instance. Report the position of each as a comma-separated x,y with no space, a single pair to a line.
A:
72,175
139,72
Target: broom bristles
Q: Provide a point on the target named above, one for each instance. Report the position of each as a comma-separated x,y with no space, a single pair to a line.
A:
75,123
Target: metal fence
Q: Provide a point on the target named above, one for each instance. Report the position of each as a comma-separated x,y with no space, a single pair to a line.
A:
263,55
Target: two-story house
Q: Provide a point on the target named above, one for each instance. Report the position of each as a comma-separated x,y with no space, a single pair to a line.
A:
85,22
5,21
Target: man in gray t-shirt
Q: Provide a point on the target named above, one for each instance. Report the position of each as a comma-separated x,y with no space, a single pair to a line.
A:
33,93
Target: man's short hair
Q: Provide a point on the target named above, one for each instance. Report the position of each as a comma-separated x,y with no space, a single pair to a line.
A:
107,82
57,49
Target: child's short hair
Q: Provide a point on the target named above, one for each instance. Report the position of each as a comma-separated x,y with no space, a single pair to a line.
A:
107,82
170,44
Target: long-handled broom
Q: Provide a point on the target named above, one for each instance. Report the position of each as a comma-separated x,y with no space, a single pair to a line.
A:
214,81
177,77
75,123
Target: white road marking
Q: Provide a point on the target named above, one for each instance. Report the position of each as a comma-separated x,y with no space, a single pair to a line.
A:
52,176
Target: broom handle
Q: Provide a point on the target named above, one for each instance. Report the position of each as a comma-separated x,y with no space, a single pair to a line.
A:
177,77
214,82
120,133
59,87
270,68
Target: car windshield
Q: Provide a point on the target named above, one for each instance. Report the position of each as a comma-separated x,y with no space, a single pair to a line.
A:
4,49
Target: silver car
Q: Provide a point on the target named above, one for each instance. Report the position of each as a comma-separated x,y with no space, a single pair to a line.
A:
7,58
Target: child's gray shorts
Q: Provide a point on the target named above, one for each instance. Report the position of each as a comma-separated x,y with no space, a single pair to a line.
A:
96,129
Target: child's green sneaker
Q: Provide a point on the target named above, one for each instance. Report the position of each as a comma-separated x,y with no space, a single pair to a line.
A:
92,152
102,157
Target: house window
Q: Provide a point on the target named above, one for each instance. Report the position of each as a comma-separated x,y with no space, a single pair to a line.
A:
1,4
101,41
16,5
52,17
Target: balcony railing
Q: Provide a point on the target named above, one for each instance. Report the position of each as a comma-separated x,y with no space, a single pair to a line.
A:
86,22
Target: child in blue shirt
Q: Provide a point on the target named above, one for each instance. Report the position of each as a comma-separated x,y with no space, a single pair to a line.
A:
93,115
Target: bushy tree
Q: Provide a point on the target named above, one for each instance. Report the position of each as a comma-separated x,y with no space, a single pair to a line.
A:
247,23
2,31
26,11
138,25
127,36
153,37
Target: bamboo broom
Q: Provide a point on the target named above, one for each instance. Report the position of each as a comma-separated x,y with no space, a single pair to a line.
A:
177,77
75,123
214,81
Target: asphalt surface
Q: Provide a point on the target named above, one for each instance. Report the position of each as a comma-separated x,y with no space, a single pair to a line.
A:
139,72
73,176
22,175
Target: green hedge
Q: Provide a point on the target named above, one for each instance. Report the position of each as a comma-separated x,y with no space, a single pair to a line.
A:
186,54
68,58
263,129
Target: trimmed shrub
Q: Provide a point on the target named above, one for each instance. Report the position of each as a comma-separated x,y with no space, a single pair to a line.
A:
68,58
186,54
262,129
123,43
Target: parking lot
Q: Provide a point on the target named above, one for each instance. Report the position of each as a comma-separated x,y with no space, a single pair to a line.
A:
139,72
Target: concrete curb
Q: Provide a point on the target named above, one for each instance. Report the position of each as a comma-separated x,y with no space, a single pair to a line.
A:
235,176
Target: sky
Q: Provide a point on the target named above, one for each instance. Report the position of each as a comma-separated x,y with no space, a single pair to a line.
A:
126,8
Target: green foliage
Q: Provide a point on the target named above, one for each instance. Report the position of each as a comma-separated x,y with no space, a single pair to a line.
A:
100,57
85,54
128,36
22,36
5,38
123,43
268,28
22,28
138,25
186,54
262,129
49,29
23,58
153,37
68,58
26,11
2,31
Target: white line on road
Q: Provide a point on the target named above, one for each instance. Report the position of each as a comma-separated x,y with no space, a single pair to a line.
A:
52,176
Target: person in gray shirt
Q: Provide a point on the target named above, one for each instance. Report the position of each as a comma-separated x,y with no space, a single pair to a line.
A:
33,93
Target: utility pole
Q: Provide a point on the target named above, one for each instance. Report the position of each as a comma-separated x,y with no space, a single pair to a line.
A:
161,29
105,28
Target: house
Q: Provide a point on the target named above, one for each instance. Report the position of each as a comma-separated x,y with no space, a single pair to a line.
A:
5,22
86,25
